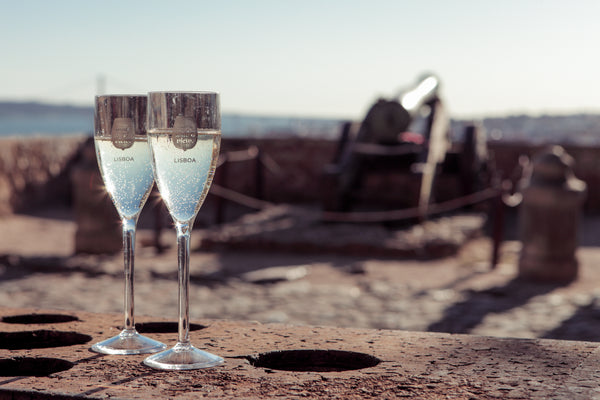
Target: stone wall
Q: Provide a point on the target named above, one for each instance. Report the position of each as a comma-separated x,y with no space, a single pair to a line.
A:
300,162
291,168
35,172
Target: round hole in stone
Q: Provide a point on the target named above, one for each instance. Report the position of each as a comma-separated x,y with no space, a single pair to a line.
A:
314,360
163,327
31,366
40,339
39,319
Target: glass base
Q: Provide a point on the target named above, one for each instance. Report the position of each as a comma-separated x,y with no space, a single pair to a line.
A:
183,356
128,342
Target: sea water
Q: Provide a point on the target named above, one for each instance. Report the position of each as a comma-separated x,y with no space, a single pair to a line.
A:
232,125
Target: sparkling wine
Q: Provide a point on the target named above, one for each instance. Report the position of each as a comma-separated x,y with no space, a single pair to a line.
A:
184,173
184,132
123,156
127,173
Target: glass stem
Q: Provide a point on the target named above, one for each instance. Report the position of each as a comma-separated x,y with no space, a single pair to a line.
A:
183,258
128,252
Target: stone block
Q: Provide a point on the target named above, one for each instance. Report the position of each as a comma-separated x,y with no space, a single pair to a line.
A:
45,354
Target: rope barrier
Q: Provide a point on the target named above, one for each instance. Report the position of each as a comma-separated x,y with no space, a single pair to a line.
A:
365,216
239,198
240,155
410,213
252,153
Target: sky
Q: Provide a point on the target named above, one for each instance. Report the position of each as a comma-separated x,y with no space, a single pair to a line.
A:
309,58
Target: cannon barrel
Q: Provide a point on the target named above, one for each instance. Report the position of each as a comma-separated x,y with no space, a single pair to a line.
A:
386,119
425,91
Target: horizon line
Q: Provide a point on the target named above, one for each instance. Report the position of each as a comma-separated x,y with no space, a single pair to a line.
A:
479,116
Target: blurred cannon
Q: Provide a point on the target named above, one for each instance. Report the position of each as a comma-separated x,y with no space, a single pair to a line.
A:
409,133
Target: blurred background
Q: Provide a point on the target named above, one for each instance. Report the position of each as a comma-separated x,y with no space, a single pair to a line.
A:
327,60
270,244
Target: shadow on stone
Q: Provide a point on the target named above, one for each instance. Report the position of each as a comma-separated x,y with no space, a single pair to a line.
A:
313,360
40,339
31,366
38,319
584,324
462,317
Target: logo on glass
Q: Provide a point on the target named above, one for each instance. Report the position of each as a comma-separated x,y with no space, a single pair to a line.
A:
185,134
123,133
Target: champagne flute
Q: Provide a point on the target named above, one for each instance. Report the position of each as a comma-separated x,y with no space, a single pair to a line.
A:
124,159
184,131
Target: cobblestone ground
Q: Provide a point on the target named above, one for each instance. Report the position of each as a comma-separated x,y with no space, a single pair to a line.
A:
458,294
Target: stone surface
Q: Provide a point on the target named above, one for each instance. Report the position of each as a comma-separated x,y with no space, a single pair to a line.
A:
323,362
301,230
98,224
458,294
